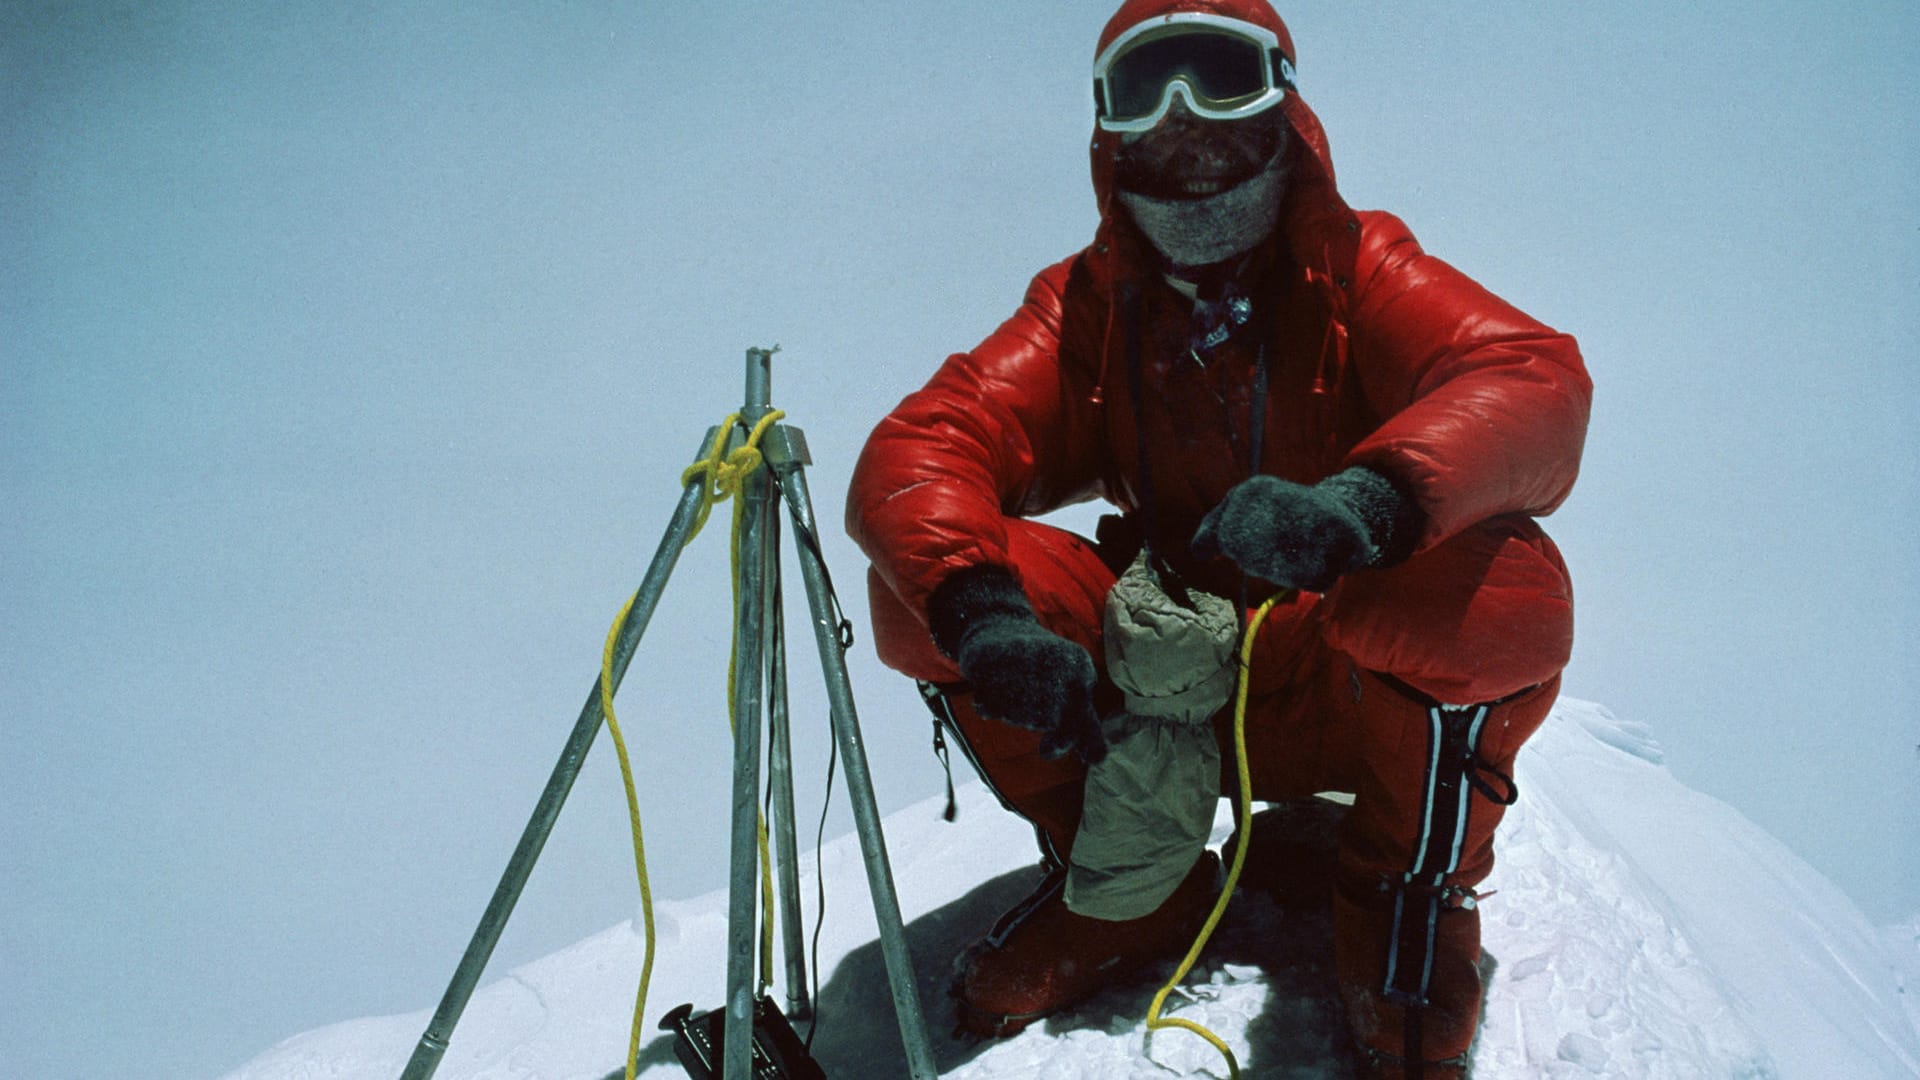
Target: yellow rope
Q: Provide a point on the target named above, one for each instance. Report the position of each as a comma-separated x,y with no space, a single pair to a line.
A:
720,477
723,475
724,479
1154,1020
639,842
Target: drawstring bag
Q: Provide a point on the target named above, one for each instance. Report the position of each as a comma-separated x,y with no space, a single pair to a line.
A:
1150,803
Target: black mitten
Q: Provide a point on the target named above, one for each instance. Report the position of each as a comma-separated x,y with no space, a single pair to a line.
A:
1308,537
1022,673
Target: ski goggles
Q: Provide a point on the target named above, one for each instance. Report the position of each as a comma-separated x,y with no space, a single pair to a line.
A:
1222,69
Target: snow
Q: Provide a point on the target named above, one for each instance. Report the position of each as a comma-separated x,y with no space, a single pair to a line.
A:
1640,929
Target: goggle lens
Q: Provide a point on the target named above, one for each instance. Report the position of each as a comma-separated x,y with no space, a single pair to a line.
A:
1222,69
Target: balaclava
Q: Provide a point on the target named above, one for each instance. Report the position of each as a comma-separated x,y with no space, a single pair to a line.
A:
1213,196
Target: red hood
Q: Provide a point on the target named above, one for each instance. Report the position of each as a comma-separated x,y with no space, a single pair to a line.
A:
1319,228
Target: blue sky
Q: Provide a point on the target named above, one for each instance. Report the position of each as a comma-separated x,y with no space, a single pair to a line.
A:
349,358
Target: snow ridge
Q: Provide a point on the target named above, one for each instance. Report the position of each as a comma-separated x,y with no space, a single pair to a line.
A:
1634,928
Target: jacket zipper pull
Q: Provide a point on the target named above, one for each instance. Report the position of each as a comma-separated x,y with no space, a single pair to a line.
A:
940,751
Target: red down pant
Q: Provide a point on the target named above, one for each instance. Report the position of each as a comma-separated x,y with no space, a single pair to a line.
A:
1346,696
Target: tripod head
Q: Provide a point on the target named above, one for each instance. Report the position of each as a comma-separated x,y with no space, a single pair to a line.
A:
759,397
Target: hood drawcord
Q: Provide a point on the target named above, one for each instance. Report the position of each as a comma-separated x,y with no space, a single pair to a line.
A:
1330,369
1142,463
1333,345
1256,451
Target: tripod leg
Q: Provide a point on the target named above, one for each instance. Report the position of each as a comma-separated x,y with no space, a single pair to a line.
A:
433,1043
866,816
749,663
780,765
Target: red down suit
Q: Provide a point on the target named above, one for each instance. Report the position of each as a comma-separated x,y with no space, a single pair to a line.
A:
1379,355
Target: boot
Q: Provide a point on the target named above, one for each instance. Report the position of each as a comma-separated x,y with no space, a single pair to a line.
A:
1042,958
1292,857
1390,1025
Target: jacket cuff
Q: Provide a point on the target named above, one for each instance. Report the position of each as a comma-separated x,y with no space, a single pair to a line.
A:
969,597
1393,518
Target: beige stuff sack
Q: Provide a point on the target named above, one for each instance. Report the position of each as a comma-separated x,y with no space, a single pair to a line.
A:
1150,803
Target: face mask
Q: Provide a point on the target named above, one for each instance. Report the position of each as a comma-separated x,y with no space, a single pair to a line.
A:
1212,228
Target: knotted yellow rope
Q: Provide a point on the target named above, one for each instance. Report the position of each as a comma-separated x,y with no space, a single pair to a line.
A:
723,475
720,477
1154,1020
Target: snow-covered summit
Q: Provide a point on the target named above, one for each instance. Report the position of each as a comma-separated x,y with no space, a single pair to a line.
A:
1641,929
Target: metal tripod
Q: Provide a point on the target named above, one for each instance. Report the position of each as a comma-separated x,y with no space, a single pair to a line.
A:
760,650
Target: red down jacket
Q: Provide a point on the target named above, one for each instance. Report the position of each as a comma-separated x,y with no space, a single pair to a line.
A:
1380,355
